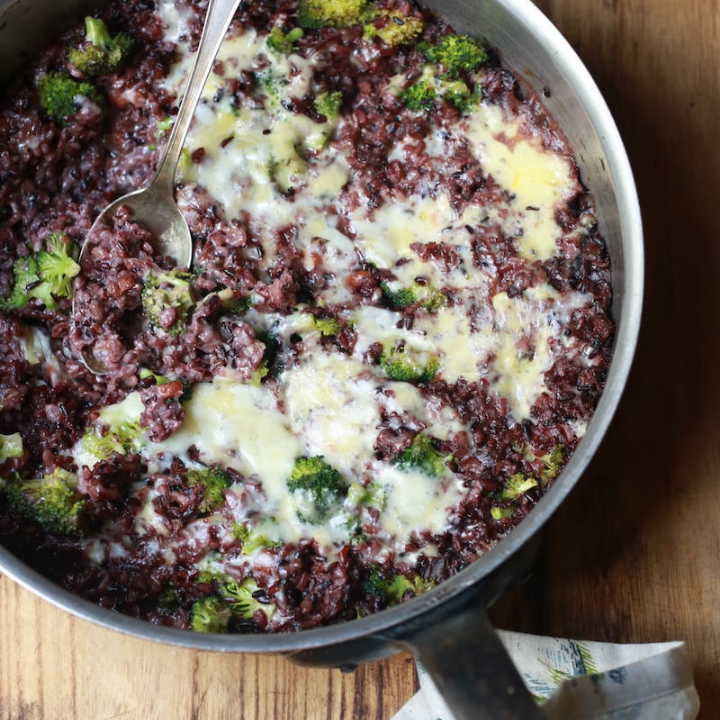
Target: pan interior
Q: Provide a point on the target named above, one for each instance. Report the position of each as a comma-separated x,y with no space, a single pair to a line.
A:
525,39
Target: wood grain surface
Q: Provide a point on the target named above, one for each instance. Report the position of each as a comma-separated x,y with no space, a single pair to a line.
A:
633,556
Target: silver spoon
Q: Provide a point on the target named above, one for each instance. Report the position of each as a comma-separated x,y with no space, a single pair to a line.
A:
154,206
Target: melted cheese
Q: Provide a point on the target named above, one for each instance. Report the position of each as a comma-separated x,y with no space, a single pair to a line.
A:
36,346
520,370
461,350
375,324
538,180
415,501
405,398
127,410
385,236
237,426
333,408
465,351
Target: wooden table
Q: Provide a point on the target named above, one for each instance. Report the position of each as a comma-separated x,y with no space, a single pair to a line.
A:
634,556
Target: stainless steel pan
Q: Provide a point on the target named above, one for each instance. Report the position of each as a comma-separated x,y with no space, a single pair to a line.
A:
446,628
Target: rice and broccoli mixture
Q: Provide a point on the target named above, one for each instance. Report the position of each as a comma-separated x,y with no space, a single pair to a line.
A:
391,339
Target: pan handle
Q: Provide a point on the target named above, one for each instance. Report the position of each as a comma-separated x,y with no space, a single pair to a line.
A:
470,666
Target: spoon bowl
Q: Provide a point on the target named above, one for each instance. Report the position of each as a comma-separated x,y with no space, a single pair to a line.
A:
150,208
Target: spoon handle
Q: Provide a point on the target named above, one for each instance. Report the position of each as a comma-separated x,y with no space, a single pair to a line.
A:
217,20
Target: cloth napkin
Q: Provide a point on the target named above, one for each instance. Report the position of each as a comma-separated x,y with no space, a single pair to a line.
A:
575,680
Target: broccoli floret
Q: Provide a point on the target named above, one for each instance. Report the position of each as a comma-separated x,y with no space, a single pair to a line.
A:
169,598
375,495
397,587
331,13
230,603
240,597
457,53
553,462
272,83
45,276
433,300
102,53
393,589
118,430
420,96
317,485
516,486
252,540
400,298
406,365
210,615
356,493
11,446
316,141
61,97
328,104
185,164
97,33
457,93
513,489
327,326
396,29
453,55
214,481
422,455
27,285
423,295
159,379
162,127
257,375
233,304
52,501
56,265
500,513
372,494
167,299
122,438
283,42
